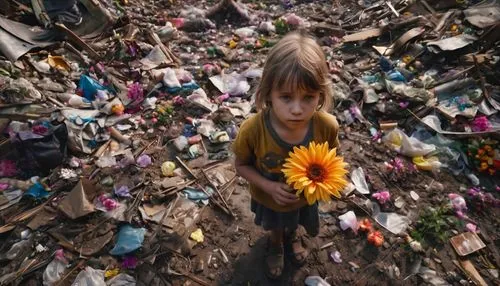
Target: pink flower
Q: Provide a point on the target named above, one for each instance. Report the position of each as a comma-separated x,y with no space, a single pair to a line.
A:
480,123
8,168
108,203
382,197
457,202
471,227
135,92
39,129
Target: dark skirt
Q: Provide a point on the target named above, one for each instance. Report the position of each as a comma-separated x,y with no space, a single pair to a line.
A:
306,216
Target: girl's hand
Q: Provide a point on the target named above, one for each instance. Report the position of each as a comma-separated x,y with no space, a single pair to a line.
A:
282,194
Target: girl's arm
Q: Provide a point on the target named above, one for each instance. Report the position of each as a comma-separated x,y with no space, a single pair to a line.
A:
281,193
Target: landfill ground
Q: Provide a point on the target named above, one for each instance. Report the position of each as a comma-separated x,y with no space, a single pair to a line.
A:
115,136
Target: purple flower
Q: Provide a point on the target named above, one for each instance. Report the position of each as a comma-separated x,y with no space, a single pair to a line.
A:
123,192
382,197
404,104
129,262
135,92
143,161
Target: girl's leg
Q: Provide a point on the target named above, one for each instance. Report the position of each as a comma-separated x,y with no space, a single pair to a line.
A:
274,258
295,241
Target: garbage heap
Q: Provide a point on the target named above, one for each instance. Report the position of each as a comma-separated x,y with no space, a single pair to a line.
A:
116,120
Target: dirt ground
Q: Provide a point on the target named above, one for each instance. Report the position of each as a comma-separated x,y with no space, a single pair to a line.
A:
245,243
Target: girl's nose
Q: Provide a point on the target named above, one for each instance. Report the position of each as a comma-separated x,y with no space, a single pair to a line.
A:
296,108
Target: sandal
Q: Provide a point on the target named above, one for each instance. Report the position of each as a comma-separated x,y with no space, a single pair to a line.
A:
274,261
299,252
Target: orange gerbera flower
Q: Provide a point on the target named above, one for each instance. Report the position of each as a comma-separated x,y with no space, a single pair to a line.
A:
315,171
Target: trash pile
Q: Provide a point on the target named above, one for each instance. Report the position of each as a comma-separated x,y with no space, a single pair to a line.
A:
116,120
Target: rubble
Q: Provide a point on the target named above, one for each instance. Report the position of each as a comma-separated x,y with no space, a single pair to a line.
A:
116,120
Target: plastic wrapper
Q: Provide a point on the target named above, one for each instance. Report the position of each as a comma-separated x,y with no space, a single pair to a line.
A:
170,79
359,181
408,146
427,164
89,86
54,272
315,281
244,32
89,277
122,279
106,162
349,220
129,239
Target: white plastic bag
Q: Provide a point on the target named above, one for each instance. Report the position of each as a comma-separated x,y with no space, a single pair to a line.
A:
315,281
408,146
89,277
349,220
122,279
53,273
359,181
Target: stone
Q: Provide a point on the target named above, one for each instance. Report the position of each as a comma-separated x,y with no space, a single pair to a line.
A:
211,276
414,196
341,205
399,202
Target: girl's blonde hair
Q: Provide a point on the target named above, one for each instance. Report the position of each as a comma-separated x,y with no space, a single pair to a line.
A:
295,62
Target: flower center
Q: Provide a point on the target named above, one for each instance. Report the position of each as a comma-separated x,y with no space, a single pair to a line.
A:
316,173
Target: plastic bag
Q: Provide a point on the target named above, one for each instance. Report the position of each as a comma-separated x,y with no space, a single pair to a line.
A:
122,279
244,32
43,152
170,79
89,86
53,272
349,220
129,239
359,181
315,281
408,146
89,277
427,164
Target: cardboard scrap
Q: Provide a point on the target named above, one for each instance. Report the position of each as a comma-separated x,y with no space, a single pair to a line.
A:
401,41
467,243
77,203
363,35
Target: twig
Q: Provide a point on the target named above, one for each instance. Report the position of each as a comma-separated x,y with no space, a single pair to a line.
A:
78,41
165,215
215,201
186,167
218,193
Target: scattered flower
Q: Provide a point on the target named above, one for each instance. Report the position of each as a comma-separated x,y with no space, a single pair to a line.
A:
376,238
382,197
143,161
129,262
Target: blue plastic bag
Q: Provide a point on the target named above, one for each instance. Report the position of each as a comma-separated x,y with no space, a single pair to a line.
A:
37,191
89,86
129,239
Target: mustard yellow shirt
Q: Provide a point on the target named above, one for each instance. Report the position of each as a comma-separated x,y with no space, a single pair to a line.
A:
258,144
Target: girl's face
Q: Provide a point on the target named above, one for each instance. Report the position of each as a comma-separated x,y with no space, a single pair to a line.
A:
294,109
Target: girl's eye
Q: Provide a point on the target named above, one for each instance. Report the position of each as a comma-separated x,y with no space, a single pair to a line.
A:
286,97
309,97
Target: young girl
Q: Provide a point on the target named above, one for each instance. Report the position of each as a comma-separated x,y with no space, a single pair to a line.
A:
290,98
